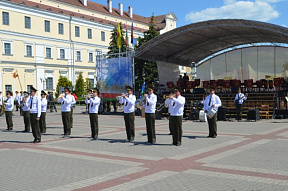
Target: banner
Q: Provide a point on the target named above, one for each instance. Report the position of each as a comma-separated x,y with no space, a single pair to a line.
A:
113,75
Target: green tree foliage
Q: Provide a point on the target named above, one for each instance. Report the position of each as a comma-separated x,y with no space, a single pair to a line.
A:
80,85
62,82
113,43
144,69
88,85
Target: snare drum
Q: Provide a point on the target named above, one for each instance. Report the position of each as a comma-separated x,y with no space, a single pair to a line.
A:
202,116
211,113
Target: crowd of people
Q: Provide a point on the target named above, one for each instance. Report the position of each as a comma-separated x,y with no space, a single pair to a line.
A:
33,109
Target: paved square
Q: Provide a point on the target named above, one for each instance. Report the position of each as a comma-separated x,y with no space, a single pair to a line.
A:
244,156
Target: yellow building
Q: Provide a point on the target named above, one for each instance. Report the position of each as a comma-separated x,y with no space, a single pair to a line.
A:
43,39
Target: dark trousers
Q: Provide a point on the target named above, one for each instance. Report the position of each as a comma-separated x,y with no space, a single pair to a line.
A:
66,122
42,122
176,127
129,119
239,111
9,121
26,118
212,123
17,105
35,127
94,124
71,117
21,111
150,127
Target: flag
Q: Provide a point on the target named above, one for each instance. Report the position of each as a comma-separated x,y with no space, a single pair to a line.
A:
142,90
132,34
15,74
119,35
126,36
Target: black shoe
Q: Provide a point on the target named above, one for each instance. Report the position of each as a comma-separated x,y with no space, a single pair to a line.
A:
178,144
9,129
132,139
209,136
214,136
127,140
36,141
170,134
25,131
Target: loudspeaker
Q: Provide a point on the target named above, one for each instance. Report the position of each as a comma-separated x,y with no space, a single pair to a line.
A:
194,114
253,114
221,115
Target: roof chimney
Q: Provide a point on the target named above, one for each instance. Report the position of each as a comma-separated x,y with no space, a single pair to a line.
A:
84,2
109,4
130,11
120,9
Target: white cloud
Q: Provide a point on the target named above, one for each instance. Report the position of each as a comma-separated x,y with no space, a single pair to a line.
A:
258,10
271,1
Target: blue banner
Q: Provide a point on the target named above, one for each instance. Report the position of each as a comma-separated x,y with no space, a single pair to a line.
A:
113,75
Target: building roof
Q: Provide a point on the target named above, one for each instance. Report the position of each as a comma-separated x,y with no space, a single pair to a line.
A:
197,41
95,7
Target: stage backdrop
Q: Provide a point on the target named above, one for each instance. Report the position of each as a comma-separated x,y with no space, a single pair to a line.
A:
113,75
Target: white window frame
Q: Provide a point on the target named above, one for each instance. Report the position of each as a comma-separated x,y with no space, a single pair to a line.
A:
3,46
32,50
51,52
92,56
103,32
77,55
65,51
47,27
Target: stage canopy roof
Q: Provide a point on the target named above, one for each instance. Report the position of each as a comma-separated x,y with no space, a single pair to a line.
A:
197,41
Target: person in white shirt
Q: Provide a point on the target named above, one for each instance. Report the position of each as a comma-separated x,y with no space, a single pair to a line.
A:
176,104
26,112
238,102
212,101
42,122
66,101
129,112
169,111
34,104
17,100
21,103
9,106
150,108
93,104
1,103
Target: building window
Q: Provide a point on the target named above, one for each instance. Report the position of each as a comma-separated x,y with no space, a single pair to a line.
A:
89,33
78,55
29,88
7,48
90,56
60,28
102,36
5,18
27,22
92,81
48,52
49,83
62,53
47,26
8,88
29,50
77,31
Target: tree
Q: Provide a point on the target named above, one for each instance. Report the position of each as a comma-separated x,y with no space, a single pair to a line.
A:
113,43
62,82
80,85
88,84
144,69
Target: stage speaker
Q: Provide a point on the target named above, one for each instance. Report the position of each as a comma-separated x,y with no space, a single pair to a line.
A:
198,91
221,115
194,114
253,114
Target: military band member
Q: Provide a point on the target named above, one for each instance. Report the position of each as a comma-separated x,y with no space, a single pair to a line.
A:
1,103
93,102
72,108
129,112
34,103
169,111
176,103
150,108
66,101
239,99
17,100
26,112
21,103
9,106
42,122
212,101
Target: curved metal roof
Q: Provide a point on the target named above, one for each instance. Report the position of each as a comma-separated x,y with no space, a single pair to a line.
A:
197,41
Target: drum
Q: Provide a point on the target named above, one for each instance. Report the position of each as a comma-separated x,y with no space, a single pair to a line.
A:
211,113
202,116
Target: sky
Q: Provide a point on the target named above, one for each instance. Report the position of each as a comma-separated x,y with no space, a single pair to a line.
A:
192,11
